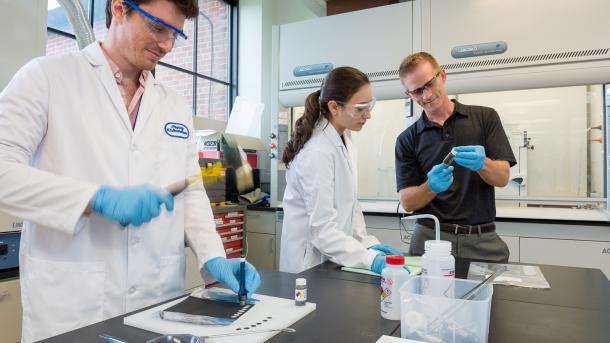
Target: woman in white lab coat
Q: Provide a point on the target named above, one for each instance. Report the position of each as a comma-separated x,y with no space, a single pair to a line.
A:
322,216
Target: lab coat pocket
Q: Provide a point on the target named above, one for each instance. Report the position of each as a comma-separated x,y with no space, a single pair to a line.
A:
172,276
61,296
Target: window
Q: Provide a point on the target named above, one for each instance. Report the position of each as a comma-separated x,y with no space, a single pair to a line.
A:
202,70
557,136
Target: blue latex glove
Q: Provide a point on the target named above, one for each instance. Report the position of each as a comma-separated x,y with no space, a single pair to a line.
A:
379,263
386,249
227,272
470,156
131,205
440,177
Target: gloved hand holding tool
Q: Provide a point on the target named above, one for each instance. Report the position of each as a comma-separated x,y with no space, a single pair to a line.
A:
134,205
227,271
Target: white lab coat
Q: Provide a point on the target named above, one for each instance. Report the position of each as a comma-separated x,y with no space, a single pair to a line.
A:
64,131
322,216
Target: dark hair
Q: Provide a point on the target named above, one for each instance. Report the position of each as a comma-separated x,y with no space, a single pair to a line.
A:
339,85
190,8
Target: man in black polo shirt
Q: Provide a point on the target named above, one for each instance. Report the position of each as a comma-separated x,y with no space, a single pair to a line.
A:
461,195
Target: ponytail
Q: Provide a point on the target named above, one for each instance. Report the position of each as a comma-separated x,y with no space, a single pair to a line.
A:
303,127
338,85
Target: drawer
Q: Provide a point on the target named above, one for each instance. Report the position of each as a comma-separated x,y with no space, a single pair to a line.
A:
261,222
228,215
223,231
236,244
234,255
233,252
231,238
228,221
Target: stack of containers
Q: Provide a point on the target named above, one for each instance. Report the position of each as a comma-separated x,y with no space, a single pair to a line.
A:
230,226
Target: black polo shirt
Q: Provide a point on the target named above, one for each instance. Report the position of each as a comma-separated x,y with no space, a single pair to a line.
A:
469,200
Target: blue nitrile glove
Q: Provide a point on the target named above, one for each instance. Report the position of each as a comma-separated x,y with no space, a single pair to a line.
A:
440,177
470,156
379,263
131,205
386,249
227,272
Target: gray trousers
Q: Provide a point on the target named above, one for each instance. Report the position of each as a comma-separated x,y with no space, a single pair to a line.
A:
485,246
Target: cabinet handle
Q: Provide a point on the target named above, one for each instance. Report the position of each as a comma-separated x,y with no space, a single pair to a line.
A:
3,294
272,245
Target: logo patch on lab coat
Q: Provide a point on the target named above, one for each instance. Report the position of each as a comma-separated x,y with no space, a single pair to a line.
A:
177,130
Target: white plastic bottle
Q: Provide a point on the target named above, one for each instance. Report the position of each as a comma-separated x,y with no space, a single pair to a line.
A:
392,277
437,259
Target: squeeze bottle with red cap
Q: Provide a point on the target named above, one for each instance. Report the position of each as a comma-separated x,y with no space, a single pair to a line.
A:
392,277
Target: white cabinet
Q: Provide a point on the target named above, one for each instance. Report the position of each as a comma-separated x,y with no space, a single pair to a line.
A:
566,252
10,311
261,250
263,235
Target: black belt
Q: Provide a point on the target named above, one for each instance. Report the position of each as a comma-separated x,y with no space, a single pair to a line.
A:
459,229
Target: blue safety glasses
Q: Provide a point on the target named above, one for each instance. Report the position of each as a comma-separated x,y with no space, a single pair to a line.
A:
158,27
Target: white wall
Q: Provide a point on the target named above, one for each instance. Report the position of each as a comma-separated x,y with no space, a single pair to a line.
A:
23,35
256,17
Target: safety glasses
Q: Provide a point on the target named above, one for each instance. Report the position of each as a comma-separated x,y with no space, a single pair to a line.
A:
161,30
360,109
418,92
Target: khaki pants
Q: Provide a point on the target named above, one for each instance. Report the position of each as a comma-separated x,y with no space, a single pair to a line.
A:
485,246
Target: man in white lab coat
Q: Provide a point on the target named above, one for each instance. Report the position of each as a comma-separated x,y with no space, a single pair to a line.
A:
88,140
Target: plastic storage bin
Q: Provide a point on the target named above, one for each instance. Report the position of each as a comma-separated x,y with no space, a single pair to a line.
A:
431,310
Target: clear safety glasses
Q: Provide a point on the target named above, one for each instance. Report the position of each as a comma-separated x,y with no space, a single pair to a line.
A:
360,109
416,93
161,30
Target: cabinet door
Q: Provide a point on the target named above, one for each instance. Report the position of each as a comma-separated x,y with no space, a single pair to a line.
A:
10,311
261,250
566,252
260,221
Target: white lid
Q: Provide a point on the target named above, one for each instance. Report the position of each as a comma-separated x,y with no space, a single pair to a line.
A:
301,282
435,246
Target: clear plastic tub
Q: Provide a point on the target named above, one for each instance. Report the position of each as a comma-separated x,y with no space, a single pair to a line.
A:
431,310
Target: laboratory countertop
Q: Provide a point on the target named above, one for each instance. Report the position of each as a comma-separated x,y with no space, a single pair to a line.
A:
575,309
385,207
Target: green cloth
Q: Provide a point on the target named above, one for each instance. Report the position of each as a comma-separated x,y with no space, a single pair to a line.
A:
413,262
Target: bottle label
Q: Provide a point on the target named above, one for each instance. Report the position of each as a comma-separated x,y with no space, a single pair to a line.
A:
449,273
300,295
386,287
